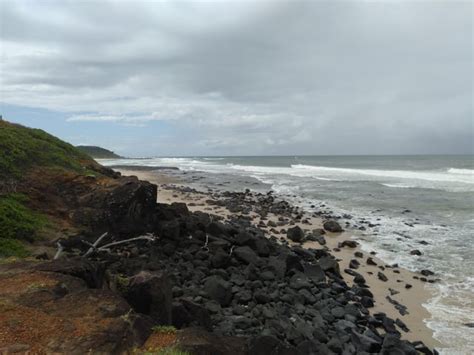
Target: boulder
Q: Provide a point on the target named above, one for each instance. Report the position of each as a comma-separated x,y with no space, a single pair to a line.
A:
295,234
267,344
314,272
220,260
332,226
246,255
198,341
186,313
150,293
219,290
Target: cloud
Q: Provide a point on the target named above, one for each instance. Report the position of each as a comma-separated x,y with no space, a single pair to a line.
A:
279,77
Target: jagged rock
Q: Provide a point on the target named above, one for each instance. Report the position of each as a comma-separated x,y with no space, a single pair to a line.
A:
150,293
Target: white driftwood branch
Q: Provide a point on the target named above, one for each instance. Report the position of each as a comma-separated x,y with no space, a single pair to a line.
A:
143,237
106,247
96,243
60,250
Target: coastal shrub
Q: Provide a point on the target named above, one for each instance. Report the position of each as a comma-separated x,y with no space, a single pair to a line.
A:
11,247
22,147
121,283
17,223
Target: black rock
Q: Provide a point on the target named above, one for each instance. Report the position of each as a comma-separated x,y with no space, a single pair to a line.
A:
382,276
371,261
328,263
426,272
295,234
219,290
220,260
267,344
348,243
151,294
354,264
332,226
187,313
314,272
367,302
246,255
415,252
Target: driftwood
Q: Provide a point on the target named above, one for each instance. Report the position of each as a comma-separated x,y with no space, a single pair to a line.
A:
96,243
106,247
60,250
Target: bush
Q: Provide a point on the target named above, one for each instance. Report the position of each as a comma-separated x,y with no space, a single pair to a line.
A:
10,247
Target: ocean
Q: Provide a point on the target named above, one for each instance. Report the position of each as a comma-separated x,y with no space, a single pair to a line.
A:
412,202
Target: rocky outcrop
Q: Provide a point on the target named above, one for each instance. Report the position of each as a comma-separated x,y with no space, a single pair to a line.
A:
55,312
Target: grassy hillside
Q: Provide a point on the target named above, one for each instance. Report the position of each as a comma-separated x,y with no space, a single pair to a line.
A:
18,224
23,149
98,152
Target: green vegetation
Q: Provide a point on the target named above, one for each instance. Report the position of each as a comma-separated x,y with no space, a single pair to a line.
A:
10,247
163,351
164,329
22,148
121,283
98,152
17,223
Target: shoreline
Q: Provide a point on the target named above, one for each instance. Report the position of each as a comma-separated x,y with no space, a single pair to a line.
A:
388,295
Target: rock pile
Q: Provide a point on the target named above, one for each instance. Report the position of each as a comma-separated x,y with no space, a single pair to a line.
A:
231,280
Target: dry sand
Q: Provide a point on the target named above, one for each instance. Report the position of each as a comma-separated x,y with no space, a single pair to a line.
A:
412,298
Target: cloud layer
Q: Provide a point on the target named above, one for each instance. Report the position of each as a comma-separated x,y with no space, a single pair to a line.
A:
276,77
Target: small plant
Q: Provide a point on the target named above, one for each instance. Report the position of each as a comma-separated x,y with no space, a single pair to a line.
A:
121,283
163,351
36,286
164,329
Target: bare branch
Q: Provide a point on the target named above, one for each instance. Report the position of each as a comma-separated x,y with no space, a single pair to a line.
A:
143,237
96,243
106,247
60,250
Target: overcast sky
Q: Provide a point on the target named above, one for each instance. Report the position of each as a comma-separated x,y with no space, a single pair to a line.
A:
242,77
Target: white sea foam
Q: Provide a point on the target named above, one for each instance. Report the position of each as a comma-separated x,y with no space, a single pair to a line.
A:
401,174
402,186
461,171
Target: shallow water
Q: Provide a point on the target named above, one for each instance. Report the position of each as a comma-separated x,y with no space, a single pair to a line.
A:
411,199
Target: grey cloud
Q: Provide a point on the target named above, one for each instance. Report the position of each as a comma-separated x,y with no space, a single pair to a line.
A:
278,77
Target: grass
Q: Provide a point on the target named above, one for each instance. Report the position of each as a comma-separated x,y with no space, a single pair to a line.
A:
22,148
18,223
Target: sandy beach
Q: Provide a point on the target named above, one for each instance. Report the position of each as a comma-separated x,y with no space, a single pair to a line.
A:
401,289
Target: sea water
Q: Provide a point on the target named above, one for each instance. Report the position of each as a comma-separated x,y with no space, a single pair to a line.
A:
416,202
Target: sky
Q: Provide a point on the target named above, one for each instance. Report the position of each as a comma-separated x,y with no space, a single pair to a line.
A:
149,78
